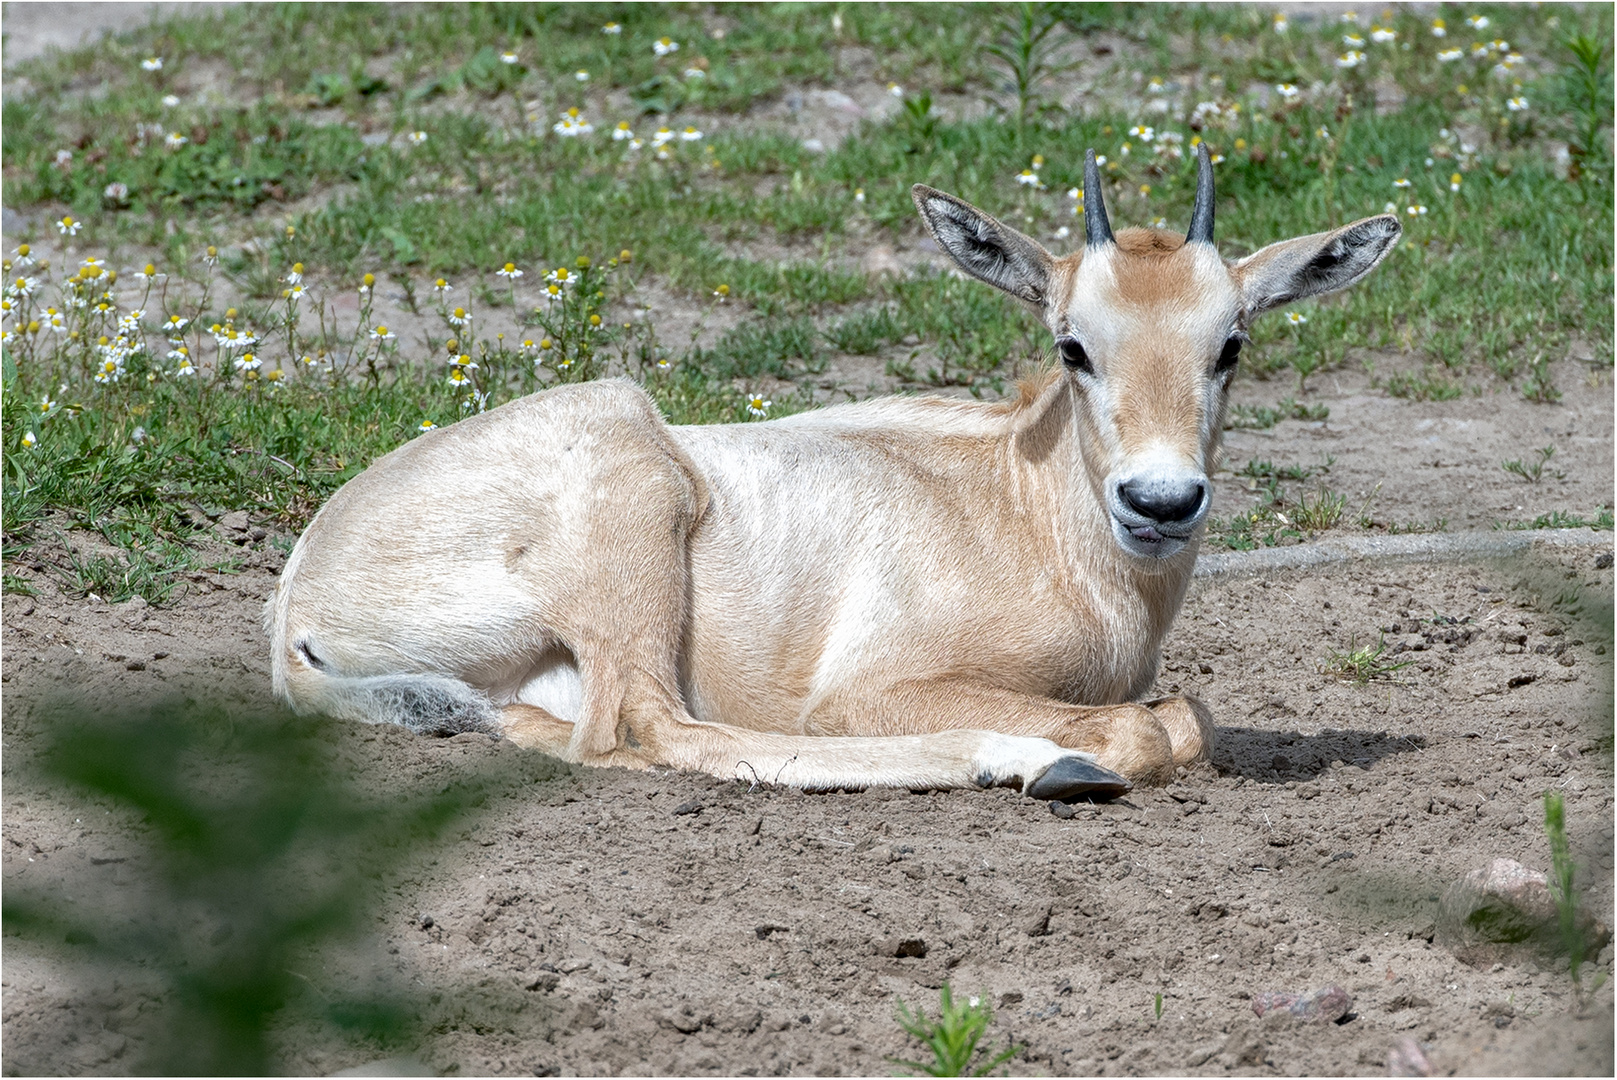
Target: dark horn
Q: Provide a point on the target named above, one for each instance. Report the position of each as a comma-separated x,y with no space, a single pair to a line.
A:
1201,217
1097,230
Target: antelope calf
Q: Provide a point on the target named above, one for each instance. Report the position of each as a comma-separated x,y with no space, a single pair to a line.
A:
905,591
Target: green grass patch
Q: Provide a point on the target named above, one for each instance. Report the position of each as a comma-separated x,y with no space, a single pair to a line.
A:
408,142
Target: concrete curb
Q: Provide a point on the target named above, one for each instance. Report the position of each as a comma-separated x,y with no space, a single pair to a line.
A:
1423,547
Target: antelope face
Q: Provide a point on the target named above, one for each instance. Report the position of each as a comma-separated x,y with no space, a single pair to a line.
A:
1149,330
1149,327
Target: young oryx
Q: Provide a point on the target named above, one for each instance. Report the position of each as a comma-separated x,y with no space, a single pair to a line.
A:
906,591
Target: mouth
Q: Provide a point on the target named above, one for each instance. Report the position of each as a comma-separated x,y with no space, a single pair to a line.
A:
1147,541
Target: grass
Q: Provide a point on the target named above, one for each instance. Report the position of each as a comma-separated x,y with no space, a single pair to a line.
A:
1360,664
1562,874
1263,417
1532,471
1564,519
400,143
952,1037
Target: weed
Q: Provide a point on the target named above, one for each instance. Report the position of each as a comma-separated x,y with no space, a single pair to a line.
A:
1323,511
1361,664
866,333
952,1037
1428,384
1533,471
1589,94
1023,49
1562,872
1266,470
1159,1004
1538,385
13,583
1563,519
1262,417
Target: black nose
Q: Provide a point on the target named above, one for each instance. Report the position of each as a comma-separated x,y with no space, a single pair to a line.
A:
1163,500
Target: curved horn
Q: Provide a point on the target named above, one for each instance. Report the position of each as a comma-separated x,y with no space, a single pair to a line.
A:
1097,230
1201,216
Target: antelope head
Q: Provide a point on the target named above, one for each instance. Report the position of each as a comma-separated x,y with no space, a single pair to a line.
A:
1149,327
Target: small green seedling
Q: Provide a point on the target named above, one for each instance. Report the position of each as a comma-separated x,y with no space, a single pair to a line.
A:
952,1038
1532,472
1562,872
1159,1004
1360,665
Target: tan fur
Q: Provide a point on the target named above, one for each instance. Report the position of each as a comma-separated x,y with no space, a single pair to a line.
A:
904,591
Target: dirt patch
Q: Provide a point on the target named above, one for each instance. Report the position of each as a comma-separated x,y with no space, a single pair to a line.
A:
612,922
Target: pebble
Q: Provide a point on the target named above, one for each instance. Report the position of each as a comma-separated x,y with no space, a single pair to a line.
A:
1323,1006
1506,903
899,946
1406,1058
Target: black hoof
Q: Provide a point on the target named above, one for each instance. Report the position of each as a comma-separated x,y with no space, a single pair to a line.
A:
1074,777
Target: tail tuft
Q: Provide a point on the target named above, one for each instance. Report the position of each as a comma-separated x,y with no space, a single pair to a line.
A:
426,704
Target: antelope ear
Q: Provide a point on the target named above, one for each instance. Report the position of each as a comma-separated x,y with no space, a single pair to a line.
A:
983,247
1310,265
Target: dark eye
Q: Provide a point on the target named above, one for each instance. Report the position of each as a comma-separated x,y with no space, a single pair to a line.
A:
1073,355
1227,358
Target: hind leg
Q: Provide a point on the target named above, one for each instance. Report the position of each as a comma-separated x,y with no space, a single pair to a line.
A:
1189,724
536,729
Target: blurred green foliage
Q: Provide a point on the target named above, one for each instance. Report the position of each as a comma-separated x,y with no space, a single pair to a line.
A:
262,842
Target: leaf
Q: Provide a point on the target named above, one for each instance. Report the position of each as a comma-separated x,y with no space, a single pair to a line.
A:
404,249
658,94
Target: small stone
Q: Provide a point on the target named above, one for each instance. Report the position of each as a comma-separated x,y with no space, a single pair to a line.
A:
1407,1001
683,1021
1406,1058
543,980
691,806
1603,560
744,1021
814,146
425,922
1505,903
235,521
1323,1006
1062,810
567,967
899,946
1009,998
1037,922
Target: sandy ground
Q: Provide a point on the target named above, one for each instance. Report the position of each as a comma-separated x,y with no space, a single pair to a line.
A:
1310,852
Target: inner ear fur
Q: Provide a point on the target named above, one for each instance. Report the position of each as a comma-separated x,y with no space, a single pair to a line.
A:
984,247
1311,265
